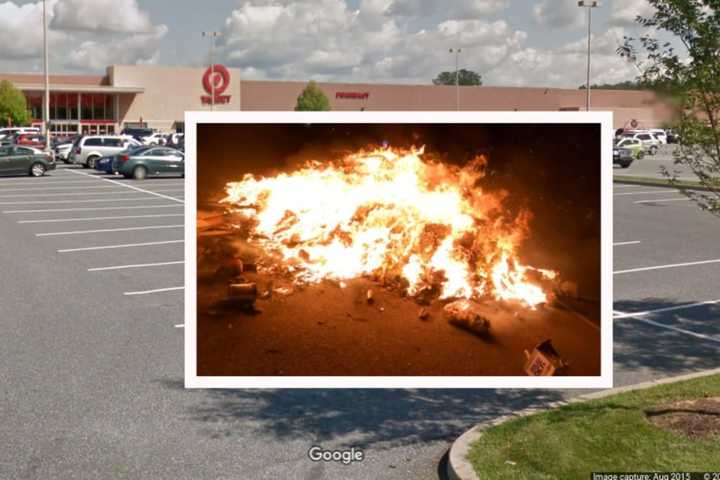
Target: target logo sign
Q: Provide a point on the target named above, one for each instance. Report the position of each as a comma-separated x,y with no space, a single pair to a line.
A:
216,77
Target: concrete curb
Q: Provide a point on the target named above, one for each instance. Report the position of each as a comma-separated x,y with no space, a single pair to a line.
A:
653,182
459,468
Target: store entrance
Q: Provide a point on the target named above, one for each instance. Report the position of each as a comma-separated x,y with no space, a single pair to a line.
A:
63,129
97,129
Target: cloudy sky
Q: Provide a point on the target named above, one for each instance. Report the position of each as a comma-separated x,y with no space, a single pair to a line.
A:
510,42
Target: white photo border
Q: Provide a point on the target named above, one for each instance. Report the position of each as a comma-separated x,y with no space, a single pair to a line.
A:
604,380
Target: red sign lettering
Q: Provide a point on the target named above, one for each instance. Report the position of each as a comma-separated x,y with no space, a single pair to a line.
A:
353,95
215,81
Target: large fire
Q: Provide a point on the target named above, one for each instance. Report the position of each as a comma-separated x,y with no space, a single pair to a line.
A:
395,216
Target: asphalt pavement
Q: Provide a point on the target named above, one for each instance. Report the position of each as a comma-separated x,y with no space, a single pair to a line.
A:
650,166
92,345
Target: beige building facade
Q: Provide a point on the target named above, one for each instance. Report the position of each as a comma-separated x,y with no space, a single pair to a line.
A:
157,97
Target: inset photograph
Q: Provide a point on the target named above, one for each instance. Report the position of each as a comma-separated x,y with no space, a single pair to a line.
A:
346,250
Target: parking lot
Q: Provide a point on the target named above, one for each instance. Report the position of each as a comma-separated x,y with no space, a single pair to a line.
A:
666,296
649,166
127,237
92,311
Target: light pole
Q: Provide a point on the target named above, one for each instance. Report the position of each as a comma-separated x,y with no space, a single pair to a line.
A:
213,36
46,102
457,51
589,4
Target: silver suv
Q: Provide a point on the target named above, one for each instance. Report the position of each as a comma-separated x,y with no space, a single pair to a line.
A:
88,150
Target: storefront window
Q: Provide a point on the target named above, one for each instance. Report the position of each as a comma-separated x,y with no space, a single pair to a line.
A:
72,106
58,106
34,102
109,107
86,106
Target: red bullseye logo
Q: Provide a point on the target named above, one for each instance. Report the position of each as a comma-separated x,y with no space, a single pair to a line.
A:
218,77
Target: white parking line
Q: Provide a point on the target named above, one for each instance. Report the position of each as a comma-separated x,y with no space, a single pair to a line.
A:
669,327
107,230
87,209
43,189
646,192
157,290
120,217
634,242
664,200
671,265
676,329
616,186
664,309
125,245
137,265
49,184
123,192
79,201
180,325
115,182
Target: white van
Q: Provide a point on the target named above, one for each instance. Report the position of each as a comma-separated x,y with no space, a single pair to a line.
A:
88,150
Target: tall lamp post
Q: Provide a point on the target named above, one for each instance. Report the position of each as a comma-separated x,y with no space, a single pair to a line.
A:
46,102
589,4
213,36
457,51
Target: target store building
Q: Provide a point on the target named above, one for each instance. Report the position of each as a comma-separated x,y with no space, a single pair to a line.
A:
157,97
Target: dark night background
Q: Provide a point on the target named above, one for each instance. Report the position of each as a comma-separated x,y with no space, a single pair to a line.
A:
553,170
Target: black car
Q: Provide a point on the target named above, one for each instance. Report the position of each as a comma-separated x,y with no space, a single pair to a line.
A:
623,157
138,133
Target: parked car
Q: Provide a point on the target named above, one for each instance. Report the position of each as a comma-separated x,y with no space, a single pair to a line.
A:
142,162
30,140
18,160
105,164
672,136
156,138
138,133
88,150
649,141
132,142
659,134
10,132
62,151
174,139
632,144
623,157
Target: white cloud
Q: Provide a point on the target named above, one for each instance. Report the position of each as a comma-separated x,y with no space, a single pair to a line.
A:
21,30
625,12
366,44
122,16
134,49
453,9
396,41
83,35
566,65
559,13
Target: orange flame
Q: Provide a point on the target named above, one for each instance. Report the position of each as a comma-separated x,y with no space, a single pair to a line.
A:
391,214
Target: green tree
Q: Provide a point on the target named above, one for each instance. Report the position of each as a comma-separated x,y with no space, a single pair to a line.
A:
13,106
465,77
691,78
312,99
626,85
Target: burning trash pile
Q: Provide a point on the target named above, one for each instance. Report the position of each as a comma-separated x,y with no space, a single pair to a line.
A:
421,227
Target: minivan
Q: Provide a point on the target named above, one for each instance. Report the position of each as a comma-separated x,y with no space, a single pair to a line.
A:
87,150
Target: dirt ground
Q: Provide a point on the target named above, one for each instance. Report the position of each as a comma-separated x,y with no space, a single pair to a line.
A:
325,329
698,418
